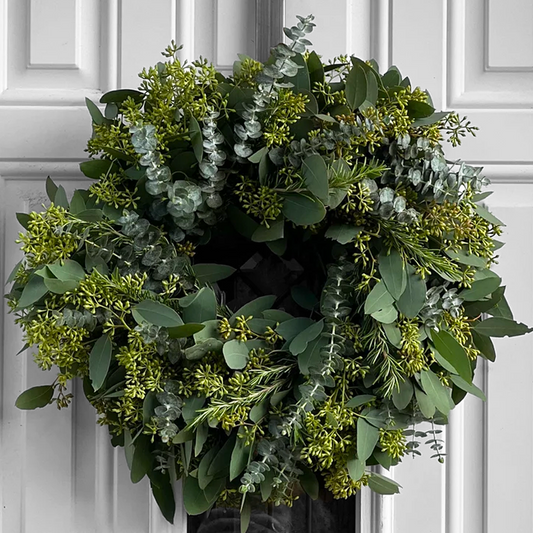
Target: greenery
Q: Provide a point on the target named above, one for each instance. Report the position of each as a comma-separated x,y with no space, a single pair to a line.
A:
334,162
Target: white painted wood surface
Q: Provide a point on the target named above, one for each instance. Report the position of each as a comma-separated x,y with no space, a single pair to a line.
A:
57,469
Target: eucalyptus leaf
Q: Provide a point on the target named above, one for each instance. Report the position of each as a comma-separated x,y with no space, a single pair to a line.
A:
211,273
378,299
35,397
387,315
235,354
484,344
96,168
185,330
480,289
163,494
203,477
278,247
60,199
465,258
33,291
311,356
23,219
194,499
156,313
289,329
60,287
195,134
417,109
402,397
315,173
202,432
273,233
468,387
488,216
393,273
277,315
300,342
239,458
501,327
453,352
244,224
382,484
367,438
434,388
359,400
443,362
191,406
99,361
304,297
413,297
142,459
14,272
356,87
77,204
425,404
309,482
202,307
356,468
343,233
69,271
95,112
220,464
201,349
303,210
255,308
393,334
120,95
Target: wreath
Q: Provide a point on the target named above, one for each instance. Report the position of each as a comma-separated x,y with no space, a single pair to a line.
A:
375,304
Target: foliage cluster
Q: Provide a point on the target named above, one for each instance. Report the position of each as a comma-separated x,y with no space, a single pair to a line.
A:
396,311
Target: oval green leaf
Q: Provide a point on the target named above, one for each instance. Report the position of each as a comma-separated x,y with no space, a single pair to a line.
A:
35,397
378,299
414,296
211,273
453,352
315,173
303,210
235,354
99,361
158,314
393,273
367,438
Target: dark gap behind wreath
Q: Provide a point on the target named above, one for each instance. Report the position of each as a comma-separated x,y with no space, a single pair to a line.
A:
294,278
325,515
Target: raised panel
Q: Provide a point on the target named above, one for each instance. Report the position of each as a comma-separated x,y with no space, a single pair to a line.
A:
144,33
423,480
53,50
229,16
58,466
53,34
509,35
44,133
510,401
470,82
341,28
223,29
38,457
504,136
422,64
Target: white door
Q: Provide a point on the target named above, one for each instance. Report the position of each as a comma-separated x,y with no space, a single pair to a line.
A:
58,469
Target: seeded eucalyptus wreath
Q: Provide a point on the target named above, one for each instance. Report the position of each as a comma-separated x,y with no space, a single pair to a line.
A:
335,167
